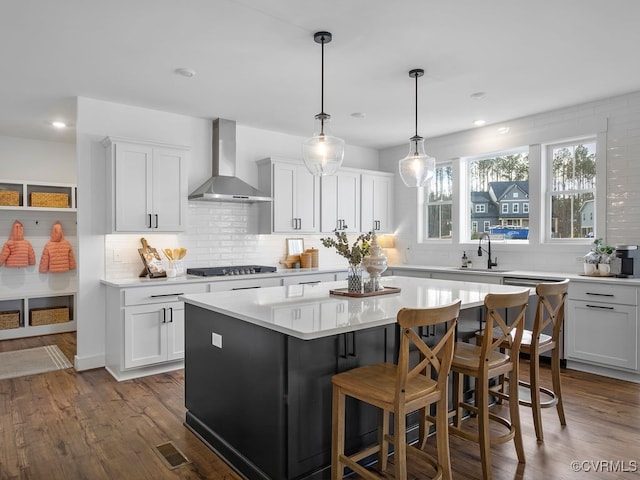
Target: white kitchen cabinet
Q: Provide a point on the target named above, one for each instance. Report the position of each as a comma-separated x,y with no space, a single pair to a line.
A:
145,328
340,201
295,207
602,325
153,334
377,202
147,186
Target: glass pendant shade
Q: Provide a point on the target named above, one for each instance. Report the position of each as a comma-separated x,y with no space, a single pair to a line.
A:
417,168
323,153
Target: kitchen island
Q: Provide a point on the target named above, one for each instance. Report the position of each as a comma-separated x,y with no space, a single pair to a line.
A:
258,366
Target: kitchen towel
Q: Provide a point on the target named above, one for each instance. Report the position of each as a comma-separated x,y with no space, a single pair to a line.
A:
17,252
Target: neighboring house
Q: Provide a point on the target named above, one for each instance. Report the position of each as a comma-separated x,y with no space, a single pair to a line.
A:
586,219
484,212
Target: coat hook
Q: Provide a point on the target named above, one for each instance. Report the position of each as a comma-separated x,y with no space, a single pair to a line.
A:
37,221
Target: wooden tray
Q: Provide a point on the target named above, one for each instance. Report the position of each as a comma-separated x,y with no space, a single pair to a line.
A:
346,293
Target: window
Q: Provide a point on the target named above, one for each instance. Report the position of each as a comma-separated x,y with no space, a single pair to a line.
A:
525,208
516,208
494,178
439,204
481,208
571,189
487,226
474,226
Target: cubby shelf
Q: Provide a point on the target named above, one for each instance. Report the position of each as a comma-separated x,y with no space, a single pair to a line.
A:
26,189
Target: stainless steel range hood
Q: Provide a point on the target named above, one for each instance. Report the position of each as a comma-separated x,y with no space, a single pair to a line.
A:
224,186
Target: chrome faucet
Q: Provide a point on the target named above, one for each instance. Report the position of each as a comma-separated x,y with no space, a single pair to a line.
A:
480,249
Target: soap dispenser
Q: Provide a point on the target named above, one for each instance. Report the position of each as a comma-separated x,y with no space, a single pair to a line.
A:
465,260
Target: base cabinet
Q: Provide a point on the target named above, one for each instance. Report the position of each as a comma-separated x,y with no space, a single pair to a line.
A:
602,326
153,334
145,329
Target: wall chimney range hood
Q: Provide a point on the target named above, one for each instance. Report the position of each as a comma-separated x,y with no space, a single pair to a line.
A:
224,186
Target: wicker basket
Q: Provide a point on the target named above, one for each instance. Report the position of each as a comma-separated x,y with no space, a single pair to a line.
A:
49,315
10,319
9,198
52,200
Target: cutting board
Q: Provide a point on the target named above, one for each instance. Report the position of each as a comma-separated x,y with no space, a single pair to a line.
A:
153,267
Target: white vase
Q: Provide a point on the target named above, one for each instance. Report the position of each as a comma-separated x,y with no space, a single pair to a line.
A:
604,269
590,268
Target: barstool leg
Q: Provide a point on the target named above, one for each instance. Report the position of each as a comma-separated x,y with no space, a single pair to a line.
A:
557,389
458,381
534,382
384,444
514,413
484,438
337,433
400,444
442,438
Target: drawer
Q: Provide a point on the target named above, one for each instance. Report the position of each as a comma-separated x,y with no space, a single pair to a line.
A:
226,285
601,292
160,293
311,278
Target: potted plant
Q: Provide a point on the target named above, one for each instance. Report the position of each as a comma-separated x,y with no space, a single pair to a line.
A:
597,261
354,253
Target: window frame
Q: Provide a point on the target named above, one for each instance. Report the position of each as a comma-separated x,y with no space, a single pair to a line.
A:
548,192
423,223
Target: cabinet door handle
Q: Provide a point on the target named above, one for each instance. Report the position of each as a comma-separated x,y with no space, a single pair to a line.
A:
299,224
246,288
164,315
294,223
344,345
171,314
166,295
353,345
149,225
601,307
601,294
309,283
156,220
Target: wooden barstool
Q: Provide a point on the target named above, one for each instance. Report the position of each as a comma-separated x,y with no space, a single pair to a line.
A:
550,311
400,389
484,362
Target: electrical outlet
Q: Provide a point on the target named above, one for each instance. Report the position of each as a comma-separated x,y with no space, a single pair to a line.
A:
117,256
216,340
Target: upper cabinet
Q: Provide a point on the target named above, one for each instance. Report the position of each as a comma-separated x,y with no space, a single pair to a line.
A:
377,202
296,197
340,201
147,185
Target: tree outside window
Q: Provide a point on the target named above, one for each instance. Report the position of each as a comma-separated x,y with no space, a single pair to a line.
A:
439,204
572,186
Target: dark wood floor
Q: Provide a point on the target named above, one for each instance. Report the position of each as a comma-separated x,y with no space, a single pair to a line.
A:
68,425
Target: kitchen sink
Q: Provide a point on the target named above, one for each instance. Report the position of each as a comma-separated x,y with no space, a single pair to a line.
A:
474,269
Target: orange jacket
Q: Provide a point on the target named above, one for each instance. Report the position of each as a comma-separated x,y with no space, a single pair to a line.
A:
57,255
17,252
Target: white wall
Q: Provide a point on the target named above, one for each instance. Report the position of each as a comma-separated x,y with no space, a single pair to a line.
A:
37,161
618,121
216,233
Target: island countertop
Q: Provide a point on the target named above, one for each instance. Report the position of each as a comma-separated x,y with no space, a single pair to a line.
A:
309,311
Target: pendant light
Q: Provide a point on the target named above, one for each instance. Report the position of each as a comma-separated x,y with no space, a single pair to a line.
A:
417,168
323,153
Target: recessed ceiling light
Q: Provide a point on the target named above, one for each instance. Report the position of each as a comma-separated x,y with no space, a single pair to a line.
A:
503,130
186,72
358,115
478,95
58,124
479,123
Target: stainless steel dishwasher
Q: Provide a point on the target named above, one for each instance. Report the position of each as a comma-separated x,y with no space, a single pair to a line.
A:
530,314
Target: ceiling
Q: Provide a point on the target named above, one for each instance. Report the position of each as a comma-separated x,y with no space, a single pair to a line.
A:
256,61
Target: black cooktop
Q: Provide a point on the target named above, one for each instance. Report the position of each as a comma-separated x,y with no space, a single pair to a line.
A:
232,270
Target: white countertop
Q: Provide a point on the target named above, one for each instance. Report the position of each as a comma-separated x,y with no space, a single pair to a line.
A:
309,311
144,281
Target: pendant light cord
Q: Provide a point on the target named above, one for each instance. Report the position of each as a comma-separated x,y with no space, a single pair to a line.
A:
416,77
322,91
